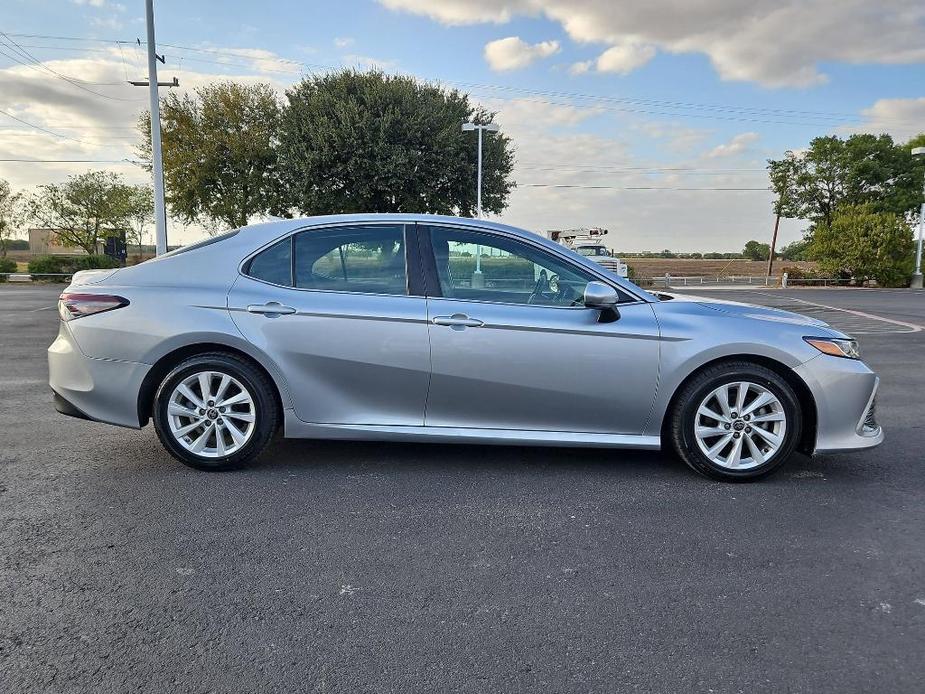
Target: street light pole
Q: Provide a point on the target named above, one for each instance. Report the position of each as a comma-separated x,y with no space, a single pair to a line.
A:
489,127
917,277
160,212
477,279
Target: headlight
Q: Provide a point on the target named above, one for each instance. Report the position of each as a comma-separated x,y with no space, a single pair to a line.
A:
835,346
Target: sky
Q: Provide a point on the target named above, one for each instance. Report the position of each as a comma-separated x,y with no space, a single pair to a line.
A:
653,120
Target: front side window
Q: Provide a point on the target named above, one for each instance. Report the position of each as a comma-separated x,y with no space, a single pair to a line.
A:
367,259
485,267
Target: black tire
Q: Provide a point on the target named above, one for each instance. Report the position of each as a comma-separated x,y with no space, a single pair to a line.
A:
683,418
266,410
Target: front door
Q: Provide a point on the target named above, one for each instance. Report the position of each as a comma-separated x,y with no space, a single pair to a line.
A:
514,347
332,308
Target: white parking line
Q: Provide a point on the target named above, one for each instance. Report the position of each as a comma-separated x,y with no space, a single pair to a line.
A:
44,308
911,327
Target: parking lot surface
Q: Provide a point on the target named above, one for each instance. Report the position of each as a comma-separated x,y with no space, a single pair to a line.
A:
349,567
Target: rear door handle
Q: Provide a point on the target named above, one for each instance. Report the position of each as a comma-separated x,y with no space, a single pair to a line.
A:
271,308
460,320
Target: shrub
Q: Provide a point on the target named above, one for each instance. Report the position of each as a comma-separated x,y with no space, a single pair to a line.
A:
6,265
865,245
68,264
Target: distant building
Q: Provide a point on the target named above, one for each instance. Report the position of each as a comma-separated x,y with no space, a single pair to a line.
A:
46,242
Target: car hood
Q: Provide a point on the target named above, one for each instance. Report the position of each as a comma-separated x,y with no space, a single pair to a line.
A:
741,310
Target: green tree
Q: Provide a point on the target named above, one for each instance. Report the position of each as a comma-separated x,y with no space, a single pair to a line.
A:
139,214
220,153
83,210
9,213
863,169
866,245
755,250
917,141
795,250
369,142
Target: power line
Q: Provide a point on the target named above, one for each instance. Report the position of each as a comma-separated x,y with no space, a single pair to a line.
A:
725,112
44,130
67,78
567,185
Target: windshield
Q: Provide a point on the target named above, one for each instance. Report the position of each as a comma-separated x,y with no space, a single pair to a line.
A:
591,250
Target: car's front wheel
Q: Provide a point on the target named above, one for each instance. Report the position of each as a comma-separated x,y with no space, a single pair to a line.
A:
736,421
215,411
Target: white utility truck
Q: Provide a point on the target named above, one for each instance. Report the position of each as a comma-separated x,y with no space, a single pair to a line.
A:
589,243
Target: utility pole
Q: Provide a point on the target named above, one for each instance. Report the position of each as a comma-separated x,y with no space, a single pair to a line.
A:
777,209
477,279
773,242
157,160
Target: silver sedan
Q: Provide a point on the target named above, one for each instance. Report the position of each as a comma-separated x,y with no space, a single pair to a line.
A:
416,327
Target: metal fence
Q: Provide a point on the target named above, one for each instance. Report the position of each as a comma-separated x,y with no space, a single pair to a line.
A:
62,277
669,281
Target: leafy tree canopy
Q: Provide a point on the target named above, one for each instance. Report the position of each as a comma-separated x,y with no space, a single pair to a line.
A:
755,250
84,209
220,152
794,251
865,244
369,142
860,170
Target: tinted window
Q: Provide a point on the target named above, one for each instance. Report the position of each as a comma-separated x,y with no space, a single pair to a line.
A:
368,259
485,267
274,265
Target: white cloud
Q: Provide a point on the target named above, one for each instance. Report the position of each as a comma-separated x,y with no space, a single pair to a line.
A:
343,41
773,42
462,11
513,53
91,3
89,126
365,62
106,22
581,67
901,118
737,145
625,58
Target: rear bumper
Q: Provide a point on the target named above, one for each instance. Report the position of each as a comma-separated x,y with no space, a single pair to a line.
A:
845,391
103,390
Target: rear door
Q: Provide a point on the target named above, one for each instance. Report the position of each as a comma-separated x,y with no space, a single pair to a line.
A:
514,347
334,310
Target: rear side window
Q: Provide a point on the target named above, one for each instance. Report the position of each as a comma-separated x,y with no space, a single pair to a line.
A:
365,259
274,265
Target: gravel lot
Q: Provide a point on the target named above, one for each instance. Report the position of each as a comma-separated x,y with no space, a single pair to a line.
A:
346,567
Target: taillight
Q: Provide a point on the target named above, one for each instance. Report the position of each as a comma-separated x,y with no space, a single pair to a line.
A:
72,306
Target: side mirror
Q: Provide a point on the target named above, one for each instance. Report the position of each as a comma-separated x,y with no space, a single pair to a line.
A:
604,298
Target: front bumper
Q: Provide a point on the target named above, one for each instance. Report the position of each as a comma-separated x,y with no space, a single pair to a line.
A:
105,390
845,392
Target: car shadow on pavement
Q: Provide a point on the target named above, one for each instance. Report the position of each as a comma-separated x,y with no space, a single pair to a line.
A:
441,457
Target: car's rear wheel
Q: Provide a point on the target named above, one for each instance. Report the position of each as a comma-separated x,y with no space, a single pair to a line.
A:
215,411
736,421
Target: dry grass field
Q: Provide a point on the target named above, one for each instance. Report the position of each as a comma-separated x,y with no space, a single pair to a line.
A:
657,267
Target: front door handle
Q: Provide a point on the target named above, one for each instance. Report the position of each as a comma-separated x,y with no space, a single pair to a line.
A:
458,320
271,308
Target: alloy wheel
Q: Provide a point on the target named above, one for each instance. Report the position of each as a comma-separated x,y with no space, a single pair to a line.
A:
740,425
211,414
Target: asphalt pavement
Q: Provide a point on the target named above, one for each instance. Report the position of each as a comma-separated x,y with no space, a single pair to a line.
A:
368,567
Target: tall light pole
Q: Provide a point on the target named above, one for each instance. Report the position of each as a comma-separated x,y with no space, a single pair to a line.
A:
477,278
917,277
